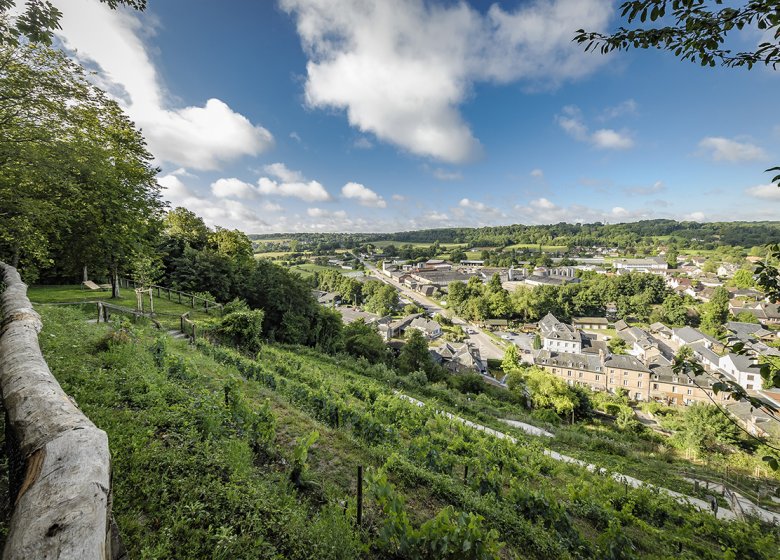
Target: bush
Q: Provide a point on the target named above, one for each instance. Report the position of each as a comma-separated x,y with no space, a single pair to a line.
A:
242,329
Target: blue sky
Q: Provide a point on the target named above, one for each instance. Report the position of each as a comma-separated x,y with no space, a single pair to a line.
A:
346,115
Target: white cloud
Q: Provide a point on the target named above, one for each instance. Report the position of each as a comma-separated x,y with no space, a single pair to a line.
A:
611,139
401,69
543,204
479,207
364,195
620,212
627,107
572,122
310,191
281,172
770,192
215,212
321,213
537,173
694,217
197,137
398,197
233,188
444,175
436,216
733,151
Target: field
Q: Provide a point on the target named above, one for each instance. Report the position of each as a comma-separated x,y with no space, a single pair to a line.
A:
309,269
210,461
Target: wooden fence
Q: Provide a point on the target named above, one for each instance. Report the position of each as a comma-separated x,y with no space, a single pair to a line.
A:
59,462
184,298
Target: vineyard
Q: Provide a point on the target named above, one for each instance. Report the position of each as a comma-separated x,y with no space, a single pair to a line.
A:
217,454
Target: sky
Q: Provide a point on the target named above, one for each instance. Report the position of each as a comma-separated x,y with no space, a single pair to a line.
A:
376,116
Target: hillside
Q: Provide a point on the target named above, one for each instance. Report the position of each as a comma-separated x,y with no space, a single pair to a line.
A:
210,460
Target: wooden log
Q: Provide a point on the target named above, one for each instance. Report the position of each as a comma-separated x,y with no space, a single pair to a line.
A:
62,509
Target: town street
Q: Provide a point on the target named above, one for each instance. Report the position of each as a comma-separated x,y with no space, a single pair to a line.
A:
488,348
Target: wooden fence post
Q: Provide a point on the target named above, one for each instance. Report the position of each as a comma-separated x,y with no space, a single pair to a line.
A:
98,311
193,302
360,496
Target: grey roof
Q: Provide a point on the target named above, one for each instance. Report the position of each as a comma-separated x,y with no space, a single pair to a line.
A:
701,349
667,375
588,362
590,320
553,328
624,361
744,330
404,322
620,325
425,324
689,335
744,363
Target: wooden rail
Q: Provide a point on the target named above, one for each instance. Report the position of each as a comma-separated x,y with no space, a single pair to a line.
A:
59,462
184,298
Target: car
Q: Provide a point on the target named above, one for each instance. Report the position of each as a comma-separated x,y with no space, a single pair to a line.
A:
470,331
506,337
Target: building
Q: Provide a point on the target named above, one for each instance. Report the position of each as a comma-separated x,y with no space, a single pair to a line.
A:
430,329
461,358
558,336
670,388
590,323
654,265
743,369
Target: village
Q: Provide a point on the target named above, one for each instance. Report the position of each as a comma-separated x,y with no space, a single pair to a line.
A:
602,353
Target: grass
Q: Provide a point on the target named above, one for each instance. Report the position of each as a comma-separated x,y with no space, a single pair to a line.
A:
545,248
309,269
189,483
74,294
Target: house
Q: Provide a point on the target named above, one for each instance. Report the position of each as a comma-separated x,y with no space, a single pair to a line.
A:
426,290
640,344
688,335
671,388
558,336
440,278
398,327
430,329
743,369
494,324
747,332
726,270
461,358
599,372
591,323
705,356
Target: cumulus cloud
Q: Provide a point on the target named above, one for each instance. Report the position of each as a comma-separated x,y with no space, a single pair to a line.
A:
479,207
321,213
732,151
398,197
767,192
572,122
694,217
310,191
232,188
281,172
544,211
363,143
198,137
400,70
627,107
537,173
363,195
215,212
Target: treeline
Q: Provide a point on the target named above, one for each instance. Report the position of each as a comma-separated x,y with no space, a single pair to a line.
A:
625,237
77,187
634,295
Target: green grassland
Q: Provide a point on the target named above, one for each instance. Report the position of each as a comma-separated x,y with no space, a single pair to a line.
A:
167,311
309,269
204,441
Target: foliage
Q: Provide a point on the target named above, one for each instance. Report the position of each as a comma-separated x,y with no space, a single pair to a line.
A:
414,355
241,328
716,312
362,340
448,535
300,456
511,359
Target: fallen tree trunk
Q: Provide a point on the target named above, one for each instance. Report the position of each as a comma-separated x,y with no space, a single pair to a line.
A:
62,505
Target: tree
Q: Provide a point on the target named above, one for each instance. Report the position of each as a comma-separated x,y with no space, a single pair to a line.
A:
511,360
671,258
362,340
40,19
716,311
414,355
184,225
704,428
743,279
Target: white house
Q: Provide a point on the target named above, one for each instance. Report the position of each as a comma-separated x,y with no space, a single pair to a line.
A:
744,369
559,337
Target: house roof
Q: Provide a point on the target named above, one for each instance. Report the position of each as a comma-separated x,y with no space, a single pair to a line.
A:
701,349
624,362
689,335
553,328
425,324
590,320
743,363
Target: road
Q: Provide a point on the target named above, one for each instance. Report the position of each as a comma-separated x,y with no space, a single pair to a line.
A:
488,349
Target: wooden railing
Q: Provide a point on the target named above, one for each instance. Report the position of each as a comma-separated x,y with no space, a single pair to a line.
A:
59,462
183,298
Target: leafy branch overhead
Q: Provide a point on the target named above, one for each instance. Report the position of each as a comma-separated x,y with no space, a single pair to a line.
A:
40,19
695,30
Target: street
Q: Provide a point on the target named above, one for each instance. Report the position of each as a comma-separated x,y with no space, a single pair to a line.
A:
488,348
